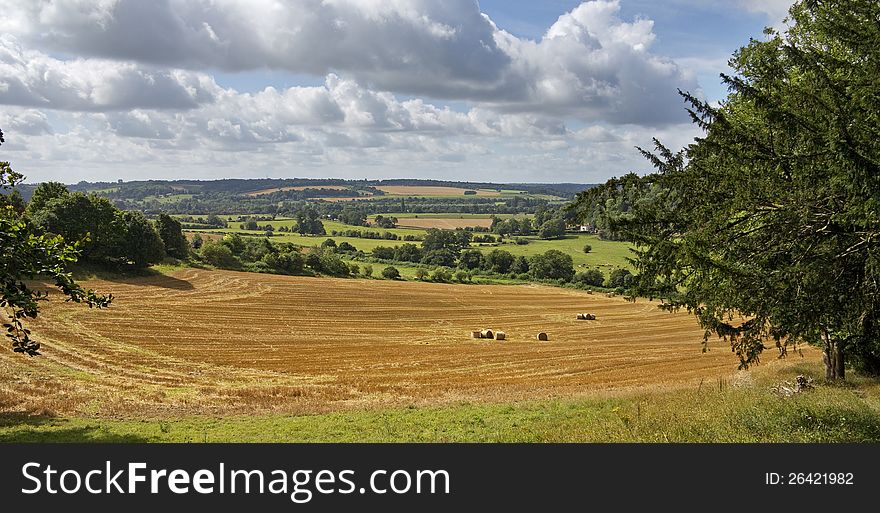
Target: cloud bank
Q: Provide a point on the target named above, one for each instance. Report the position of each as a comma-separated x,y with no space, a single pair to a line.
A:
403,80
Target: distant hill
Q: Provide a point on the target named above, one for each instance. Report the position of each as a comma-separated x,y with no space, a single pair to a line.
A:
269,195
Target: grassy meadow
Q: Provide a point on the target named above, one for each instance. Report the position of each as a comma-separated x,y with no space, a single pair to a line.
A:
742,409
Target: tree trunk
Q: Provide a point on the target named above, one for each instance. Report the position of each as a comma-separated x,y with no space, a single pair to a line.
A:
832,356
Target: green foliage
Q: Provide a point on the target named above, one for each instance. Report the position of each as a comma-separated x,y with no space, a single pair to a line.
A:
285,262
172,236
408,253
520,265
27,253
307,222
214,220
552,265
552,229
345,247
368,271
773,215
383,253
446,240
327,262
462,276
499,261
620,278
441,275
587,248
139,243
421,274
219,255
391,273
43,194
197,242
13,201
385,222
439,257
471,259
90,220
591,277
353,215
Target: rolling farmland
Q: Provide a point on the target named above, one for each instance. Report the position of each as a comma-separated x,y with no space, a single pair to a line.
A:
220,342
442,223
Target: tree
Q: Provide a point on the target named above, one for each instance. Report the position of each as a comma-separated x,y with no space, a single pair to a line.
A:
620,278
385,222
140,244
27,253
439,257
408,253
197,242
449,240
219,255
90,220
43,194
390,273
441,274
353,216
520,265
499,261
307,222
772,216
587,248
471,259
368,271
421,274
284,262
552,265
345,247
383,253
552,229
172,236
592,277
214,220
13,200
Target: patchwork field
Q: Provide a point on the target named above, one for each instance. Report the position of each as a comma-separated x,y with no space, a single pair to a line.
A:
217,342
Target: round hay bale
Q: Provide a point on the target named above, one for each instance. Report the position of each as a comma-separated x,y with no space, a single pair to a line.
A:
581,316
476,334
487,333
543,336
591,317
500,335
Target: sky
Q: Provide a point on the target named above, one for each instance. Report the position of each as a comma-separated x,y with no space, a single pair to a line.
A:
495,90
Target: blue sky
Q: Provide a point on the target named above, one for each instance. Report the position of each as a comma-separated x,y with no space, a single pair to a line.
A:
545,91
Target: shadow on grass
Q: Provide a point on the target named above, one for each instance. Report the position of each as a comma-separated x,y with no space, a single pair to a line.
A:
154,277
21,428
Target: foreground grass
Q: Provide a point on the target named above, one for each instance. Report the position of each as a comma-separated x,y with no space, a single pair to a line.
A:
712,412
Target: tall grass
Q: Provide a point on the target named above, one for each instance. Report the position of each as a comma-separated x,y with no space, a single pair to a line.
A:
712,412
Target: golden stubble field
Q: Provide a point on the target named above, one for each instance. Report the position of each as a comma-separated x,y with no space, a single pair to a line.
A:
222,342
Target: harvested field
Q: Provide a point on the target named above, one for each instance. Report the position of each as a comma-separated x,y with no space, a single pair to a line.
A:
445,224
427,190
221,342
